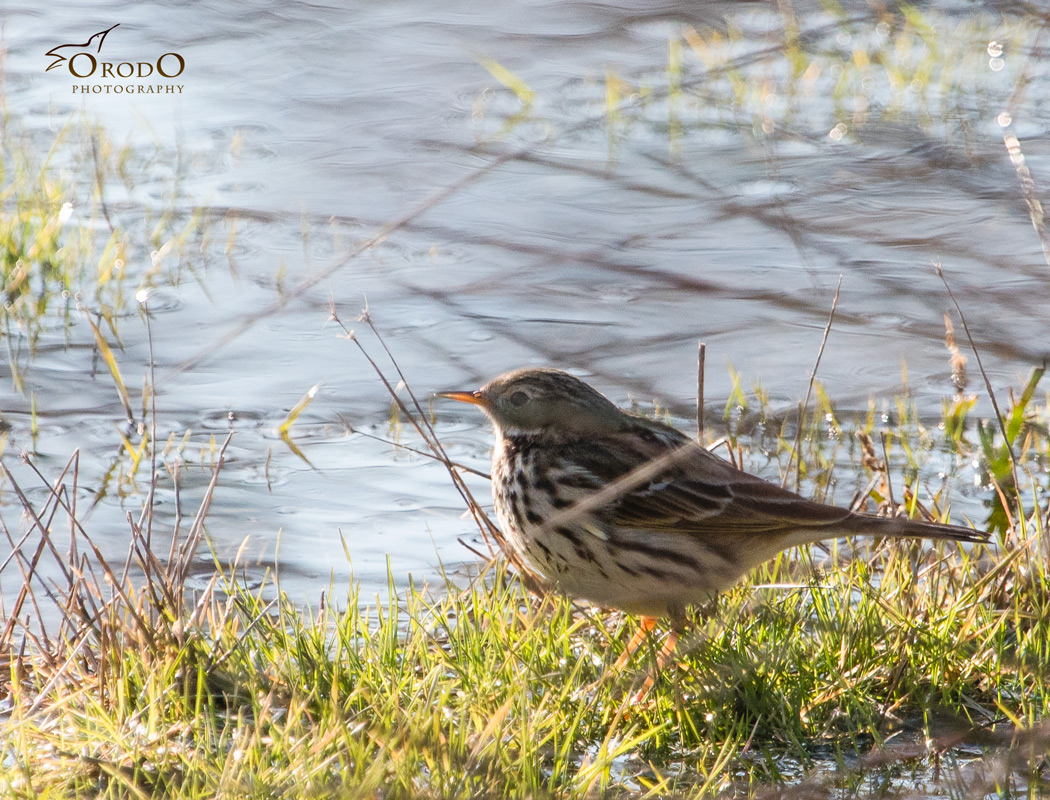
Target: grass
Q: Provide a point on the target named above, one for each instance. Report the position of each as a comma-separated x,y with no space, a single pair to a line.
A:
66,250
824,669
937,68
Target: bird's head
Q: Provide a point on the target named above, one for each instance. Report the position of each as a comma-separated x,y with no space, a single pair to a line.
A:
543,401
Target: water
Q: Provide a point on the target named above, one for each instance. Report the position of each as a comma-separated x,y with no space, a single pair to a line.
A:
719,204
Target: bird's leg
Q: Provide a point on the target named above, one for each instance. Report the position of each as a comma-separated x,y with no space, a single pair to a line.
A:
668,649
644,628
646,625
661,661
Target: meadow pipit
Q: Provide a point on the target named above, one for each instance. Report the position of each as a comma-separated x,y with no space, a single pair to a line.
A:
632,514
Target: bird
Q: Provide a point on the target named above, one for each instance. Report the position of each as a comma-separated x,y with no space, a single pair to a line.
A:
95,41
627,512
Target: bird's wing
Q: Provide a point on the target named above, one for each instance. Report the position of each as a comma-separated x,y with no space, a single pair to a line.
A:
692,490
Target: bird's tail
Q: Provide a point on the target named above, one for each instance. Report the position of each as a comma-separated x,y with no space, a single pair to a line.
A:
868,525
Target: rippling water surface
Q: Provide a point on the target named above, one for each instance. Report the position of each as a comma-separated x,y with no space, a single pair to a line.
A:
674,173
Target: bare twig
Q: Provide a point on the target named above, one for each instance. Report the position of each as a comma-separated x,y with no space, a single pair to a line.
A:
415,450
100,180
987,382
417,417
701,358
886,474
797,450
143,299
426,433
1036,212
1028,189
196,533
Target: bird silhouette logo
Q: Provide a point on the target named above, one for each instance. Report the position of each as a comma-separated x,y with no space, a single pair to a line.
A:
65,51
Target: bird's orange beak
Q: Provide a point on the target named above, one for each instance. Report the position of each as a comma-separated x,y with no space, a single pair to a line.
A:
474,398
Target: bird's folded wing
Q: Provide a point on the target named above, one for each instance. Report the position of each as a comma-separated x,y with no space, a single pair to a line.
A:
697,492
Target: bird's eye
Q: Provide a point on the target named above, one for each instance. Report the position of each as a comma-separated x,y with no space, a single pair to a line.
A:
519,398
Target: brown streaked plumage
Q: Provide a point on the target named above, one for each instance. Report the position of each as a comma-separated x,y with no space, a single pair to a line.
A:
629,513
